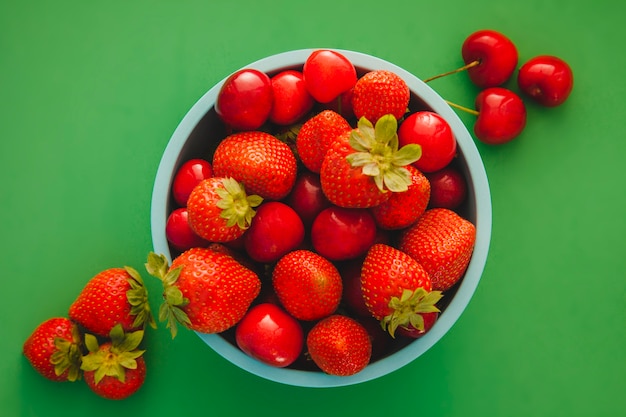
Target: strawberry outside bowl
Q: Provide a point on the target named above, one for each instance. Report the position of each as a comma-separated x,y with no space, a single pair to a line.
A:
200,131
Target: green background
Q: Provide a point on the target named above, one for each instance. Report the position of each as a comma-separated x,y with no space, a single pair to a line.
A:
91,92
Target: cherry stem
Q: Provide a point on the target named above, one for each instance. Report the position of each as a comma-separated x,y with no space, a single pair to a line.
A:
463,68
465,109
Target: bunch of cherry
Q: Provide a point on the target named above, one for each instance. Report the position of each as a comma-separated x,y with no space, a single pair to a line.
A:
490,60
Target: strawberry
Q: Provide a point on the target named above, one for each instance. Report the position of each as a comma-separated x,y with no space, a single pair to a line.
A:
442,242
378,93
115,295
316,136
396,289
339,345
115,369
403,209
204,290
53,349
364,166
261,162
308,285
219,210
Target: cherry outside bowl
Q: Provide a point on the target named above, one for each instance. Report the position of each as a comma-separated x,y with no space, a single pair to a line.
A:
199,132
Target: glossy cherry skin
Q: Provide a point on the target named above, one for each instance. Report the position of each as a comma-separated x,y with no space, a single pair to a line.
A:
546,79
291,98
352,293
307,197
412,332
245,100
340,233
433,134
497,56
448,188
187,177
328,74
502,116
275,230
270,335
179,233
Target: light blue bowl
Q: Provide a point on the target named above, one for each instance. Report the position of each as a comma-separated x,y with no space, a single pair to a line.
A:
198,134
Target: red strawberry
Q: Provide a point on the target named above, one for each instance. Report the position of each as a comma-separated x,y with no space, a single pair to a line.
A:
339,345
203,289
442,242
116,369
115,295
53,349
378,93
316,136
308,285
403,209
364,166
261,162
219,210
396,289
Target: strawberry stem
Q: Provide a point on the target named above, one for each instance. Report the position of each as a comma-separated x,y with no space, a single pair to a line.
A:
463,68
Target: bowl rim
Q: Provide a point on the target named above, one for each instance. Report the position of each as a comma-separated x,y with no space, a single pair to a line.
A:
477,181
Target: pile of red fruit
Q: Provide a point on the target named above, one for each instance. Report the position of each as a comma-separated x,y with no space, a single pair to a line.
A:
99,341
326,230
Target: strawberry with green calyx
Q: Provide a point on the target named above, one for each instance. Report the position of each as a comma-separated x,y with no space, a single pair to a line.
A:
380,92
396,289
115,295
363,167
203,290
219,210
442,242
116,369
54,349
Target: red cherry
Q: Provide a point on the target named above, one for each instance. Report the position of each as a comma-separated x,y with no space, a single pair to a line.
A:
270,334
179,233
546,79
352,294
291,98
275,230
447,188
328,74
501,116
187,177
307,197
433,134
245,99
495,57
410,331
340,233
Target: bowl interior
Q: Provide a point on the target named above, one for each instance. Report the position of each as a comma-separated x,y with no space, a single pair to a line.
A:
200,131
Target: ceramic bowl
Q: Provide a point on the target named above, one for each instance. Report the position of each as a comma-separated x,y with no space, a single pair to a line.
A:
199,132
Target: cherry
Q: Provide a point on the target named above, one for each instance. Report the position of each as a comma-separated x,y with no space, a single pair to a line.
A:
501,115
327,74
245,100
546,79
410,331
275,230
307,197
490,58
352,294
447,188
291,98
270,334
495,54
340,233
433,134
179,233
187,177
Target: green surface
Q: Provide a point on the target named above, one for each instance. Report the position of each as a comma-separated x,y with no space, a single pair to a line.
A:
91,92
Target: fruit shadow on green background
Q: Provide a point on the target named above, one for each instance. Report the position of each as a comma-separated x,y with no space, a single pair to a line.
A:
92,92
